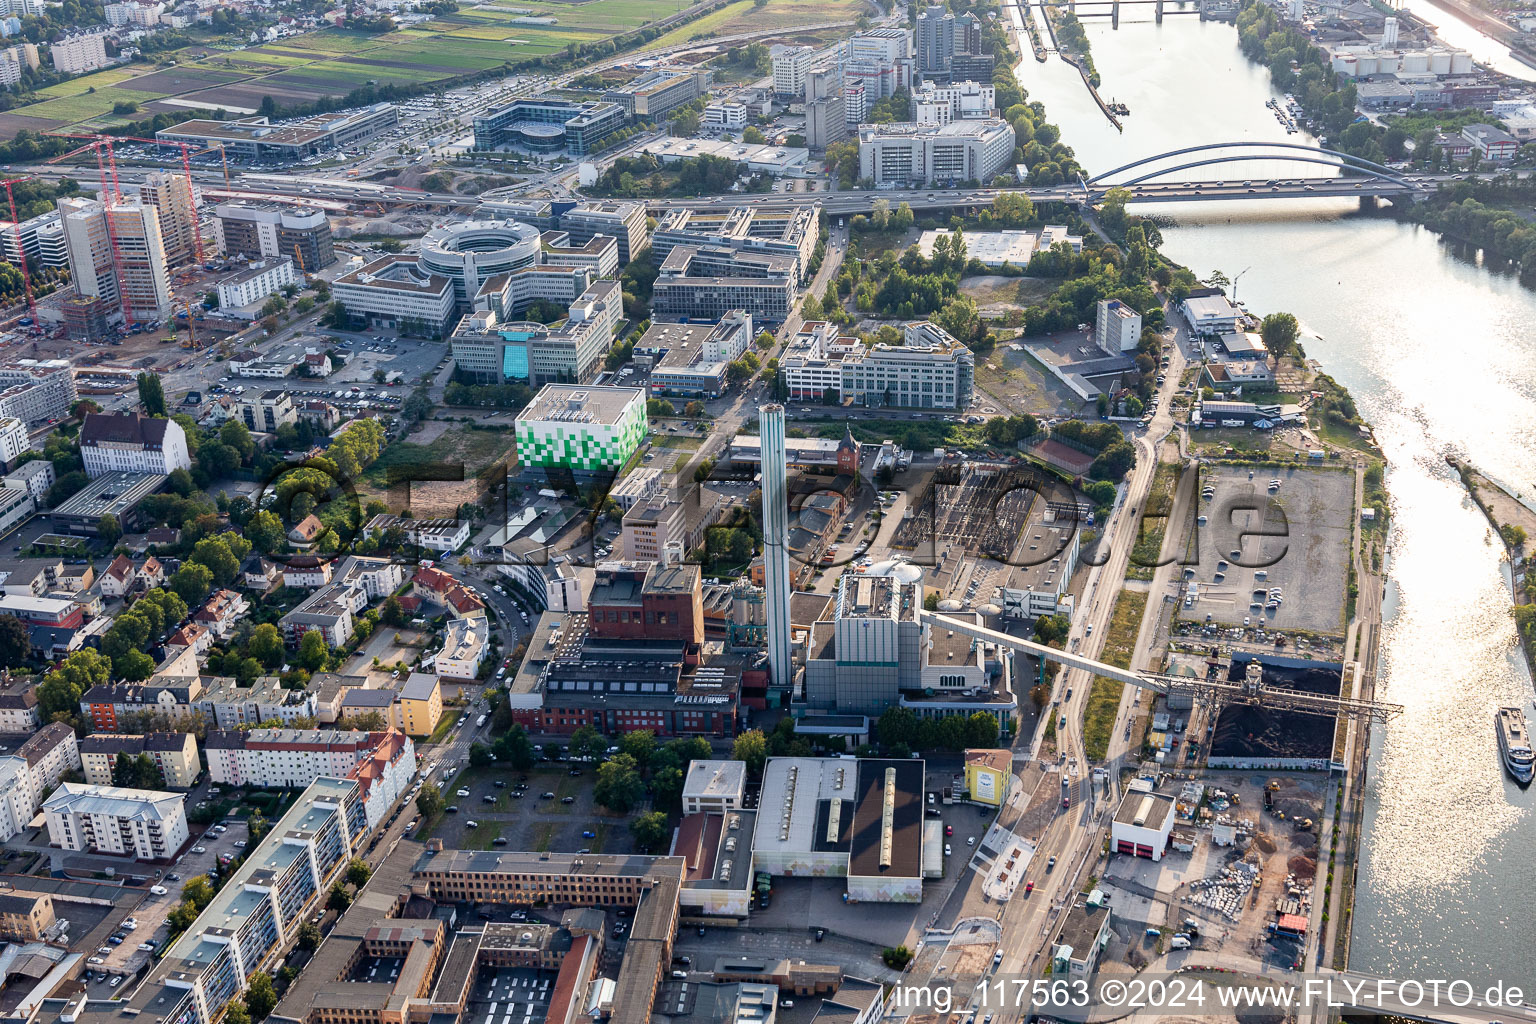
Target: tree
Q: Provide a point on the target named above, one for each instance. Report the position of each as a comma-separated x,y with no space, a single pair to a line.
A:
15,643
358,873
931,601
587,744
639,744
235,434
618,785
1279,331
896,958
235,1011
266,645
151,394
880,214
308,937
61,689
667,786
479,755
753,135
265,531
260,997
198,891
338,899
392,613
430,800
751,747
897,725
313,652
514,747
218,554
693,409
192,582
649,830
109,529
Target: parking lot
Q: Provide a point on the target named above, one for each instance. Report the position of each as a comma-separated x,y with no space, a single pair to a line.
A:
1274,548
516,815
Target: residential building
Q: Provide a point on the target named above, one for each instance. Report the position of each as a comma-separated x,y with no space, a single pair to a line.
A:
116,494
465,645
1116,327
50,754
690,359
107,706
271,230
581,428
790,66
441,535
393,292
20,796
13,61
544,124
707,283
132,443
40,238
284,758
227,705
174,754
421,704
332,608
714,786
128,12
856,102
935,42
826,121
259,139
25,917
36,477
249,924
16,507
36,390
266,411
116,255
174,203
141,823
75,53
915,154
255,284
18,706
726,116
658,92
935,103
358,704
220,612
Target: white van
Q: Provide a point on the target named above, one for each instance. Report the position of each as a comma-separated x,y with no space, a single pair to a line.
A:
1179,942
159,890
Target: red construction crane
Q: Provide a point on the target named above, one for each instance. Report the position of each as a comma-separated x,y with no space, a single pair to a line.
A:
21,253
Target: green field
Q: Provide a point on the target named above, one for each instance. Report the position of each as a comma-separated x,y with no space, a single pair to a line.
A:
1104,695
334,61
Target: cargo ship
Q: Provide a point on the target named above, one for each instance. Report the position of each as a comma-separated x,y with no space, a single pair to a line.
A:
1515,743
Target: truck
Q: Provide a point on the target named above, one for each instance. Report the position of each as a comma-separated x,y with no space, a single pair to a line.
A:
480,722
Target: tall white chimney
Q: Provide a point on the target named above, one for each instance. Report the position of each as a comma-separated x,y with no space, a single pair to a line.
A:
775,552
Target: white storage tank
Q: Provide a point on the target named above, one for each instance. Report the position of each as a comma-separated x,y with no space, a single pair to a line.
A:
1461,63
1440,62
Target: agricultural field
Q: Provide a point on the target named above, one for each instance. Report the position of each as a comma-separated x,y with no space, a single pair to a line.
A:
746,16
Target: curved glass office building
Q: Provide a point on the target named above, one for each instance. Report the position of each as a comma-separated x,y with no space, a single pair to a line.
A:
472,253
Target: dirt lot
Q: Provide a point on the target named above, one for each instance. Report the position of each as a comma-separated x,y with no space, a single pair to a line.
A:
1293,536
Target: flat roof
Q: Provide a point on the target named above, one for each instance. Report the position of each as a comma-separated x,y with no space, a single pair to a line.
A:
114,493
715,780
888,819
1082,925
1153,809
573,403
806,804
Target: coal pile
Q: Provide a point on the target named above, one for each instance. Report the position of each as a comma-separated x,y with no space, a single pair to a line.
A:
1245,731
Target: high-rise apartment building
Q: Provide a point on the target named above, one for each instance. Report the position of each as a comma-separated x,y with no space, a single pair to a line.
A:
14,60
171,196
935,41
80,52
116,255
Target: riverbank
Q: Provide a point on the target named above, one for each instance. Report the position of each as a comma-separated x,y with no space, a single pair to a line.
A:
1514,522
1518,42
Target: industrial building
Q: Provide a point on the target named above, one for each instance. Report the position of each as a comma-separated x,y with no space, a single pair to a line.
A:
114,494
581,427
776,161
911,154
1084,935
543,124
257,138
714,786
1143,822
861,819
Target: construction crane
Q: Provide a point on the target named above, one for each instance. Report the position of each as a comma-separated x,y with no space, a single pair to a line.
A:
1213,692
298,257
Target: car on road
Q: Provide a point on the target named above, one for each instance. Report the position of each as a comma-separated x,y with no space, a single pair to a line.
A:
1029,887
1066,802
546,795
946,849
589,834
199,849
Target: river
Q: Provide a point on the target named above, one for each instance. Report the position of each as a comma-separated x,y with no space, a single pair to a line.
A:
1440,356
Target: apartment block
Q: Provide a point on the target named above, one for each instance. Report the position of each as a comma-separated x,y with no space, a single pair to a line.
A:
14,439
142,823
132,443
174,754
283,758
79,52
266,411
50,754
34,390
257,282
14,60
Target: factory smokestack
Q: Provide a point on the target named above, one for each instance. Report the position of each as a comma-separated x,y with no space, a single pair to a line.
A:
775,551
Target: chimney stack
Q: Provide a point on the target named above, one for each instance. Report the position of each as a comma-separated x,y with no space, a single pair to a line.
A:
775,551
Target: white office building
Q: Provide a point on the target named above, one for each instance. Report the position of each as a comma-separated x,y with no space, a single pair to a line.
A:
790,66
131,443
141,823
395,293
919,154
726,116
1116,327
933,103
256,283
14,439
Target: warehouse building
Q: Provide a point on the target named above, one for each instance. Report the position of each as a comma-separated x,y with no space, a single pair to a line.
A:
840,817
1143,822
581,428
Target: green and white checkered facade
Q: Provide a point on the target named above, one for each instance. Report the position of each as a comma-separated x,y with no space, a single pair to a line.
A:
605,439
